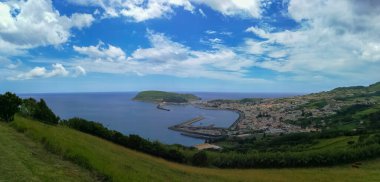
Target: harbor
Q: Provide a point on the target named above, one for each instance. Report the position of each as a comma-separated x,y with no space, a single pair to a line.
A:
209,132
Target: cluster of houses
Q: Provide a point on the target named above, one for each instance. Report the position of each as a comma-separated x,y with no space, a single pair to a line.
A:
272,116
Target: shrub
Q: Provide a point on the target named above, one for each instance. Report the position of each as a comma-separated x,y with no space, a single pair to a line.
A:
199,159
9,105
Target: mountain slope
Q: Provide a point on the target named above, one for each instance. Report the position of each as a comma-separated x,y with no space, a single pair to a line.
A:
21,159
121,164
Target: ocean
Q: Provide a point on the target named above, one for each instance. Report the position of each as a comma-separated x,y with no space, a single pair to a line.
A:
119,112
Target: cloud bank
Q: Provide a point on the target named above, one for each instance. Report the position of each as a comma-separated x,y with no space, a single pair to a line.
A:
142,10
33,23
166,57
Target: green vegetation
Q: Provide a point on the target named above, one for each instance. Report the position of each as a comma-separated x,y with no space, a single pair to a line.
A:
372,87
298,149
291,150
160,96
8,106
375,87
250,100
22,159
316,104
354,117
38,110
122,164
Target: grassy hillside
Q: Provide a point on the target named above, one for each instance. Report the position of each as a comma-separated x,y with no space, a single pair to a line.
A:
160,96
22,159
122,164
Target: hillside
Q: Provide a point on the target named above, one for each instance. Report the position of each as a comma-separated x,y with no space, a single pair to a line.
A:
372,87
22,159
123,164
160,96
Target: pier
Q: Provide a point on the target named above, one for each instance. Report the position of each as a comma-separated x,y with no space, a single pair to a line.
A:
160,106
190,121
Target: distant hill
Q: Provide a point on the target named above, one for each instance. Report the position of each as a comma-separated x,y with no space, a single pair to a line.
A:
160,96
373,87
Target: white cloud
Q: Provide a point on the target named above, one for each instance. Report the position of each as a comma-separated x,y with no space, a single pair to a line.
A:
81,20
258,31
254,47
211,32
215,40
35,72
102,51
142,10
137,10
79,70
226,33
14,65
166,57
337,40
212,42
242,8
153,9
42,72
33,23
201,12
58,70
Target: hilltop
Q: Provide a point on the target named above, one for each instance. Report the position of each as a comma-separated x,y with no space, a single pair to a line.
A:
161,96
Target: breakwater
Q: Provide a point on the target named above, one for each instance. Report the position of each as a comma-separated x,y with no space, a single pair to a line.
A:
204,132
160,106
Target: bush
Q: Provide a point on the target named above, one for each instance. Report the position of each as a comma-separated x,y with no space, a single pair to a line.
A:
43,113
28,107
199,159
38,110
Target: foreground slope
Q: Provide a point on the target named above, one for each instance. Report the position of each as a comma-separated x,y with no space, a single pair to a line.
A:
121,164
22,159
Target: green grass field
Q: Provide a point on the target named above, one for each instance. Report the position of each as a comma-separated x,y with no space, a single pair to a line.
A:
122,164
22,159
333,143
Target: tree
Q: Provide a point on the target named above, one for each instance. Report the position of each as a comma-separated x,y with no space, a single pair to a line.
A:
175,155
9,105
44,114
28,107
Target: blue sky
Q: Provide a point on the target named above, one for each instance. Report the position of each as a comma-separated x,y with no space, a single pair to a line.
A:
188,45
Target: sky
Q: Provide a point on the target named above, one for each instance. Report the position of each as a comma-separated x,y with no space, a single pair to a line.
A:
297,46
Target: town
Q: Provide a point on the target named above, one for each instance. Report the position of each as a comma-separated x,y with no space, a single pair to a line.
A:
274,116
